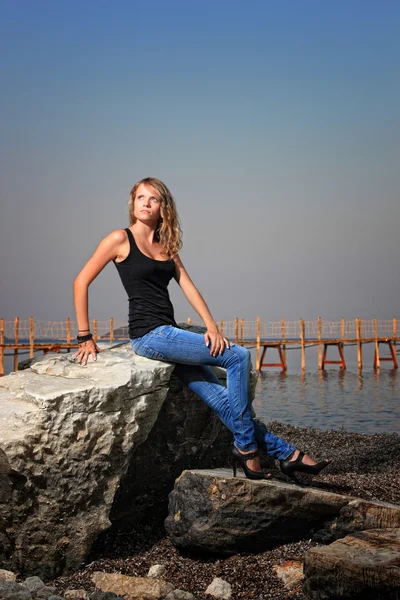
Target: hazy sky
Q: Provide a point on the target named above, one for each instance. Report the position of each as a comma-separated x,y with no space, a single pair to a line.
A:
274,124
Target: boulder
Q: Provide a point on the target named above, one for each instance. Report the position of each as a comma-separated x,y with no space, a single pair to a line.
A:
33,584
212,511
10,590
364,566
359,515
87,447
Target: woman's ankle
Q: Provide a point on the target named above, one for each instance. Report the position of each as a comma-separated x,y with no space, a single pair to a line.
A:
306,459
244,452
293,455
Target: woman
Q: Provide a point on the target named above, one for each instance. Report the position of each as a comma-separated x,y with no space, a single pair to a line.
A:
146,257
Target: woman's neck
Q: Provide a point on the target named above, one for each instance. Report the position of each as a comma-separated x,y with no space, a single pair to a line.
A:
144,231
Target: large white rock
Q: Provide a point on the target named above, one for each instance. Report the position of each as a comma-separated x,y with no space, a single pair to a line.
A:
69,437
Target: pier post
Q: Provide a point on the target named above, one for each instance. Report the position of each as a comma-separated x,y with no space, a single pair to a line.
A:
236,330
111,330
359,343
189,321
1,347
16,335
221,327
31,337
283,346
258,340
95,330
320,366
377,362
242,329
303,349
68,332
394,334
341,347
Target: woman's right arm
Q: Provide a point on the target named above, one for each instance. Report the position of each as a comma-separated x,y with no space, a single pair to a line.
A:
107,250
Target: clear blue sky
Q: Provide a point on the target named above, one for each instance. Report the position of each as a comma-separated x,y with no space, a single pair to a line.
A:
274,124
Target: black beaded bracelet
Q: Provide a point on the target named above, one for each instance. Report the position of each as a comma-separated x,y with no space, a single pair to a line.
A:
84,338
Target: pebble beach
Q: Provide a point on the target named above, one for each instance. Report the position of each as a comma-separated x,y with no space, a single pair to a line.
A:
365,466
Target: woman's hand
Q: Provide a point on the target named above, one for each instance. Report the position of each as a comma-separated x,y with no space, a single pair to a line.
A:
217,340
85,350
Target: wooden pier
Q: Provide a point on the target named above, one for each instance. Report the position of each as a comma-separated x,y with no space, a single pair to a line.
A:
30,336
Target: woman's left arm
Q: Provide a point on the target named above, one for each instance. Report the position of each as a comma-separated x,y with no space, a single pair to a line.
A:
212,335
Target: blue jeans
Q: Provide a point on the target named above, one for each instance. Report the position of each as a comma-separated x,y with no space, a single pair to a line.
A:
232,403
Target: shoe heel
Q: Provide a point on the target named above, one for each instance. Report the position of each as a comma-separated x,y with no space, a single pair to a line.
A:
293,477
241,459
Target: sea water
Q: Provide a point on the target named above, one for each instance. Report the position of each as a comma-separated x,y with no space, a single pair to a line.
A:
363,402
366,401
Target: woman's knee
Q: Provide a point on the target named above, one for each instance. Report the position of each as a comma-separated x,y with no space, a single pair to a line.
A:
242,353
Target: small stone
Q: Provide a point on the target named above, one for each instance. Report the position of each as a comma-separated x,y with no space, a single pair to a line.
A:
80,594
134,587
104,596
33,584
179,595
219,588
10,590
290,573
45,592
156,571
55,598
7,575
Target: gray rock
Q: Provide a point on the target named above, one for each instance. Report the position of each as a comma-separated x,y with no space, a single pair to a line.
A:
365,565
80,594
219,588
105,596
179,595
45,592
56,598
33,584
87,442
212,511
10,590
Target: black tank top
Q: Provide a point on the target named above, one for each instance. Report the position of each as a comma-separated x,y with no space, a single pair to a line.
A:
146,282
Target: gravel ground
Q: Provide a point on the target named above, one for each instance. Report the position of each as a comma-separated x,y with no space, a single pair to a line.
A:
366,466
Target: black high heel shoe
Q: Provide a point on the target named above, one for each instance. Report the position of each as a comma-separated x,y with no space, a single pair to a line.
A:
289,467
238,457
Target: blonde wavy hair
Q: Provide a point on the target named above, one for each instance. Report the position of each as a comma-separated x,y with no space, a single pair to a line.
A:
168,232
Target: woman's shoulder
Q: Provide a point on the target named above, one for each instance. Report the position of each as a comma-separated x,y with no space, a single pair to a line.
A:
118,235
114,241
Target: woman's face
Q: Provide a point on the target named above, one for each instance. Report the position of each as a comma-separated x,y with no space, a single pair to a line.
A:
147,205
